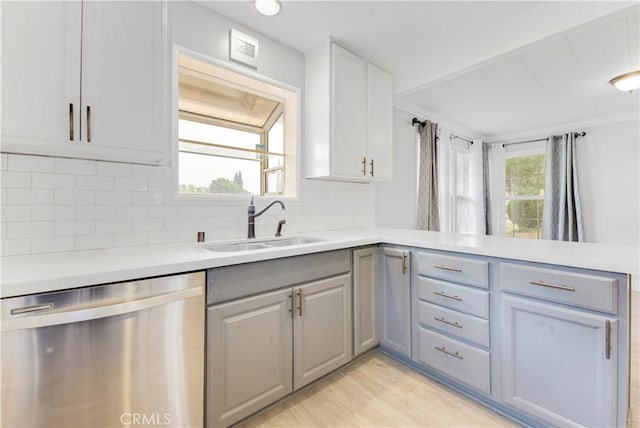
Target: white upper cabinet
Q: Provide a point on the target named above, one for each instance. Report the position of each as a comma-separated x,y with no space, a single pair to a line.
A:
349,112
84,80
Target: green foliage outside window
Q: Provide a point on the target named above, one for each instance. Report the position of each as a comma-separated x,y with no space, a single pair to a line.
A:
524,186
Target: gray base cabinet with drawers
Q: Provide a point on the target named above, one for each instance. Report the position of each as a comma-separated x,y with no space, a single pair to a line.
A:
262,347
547,345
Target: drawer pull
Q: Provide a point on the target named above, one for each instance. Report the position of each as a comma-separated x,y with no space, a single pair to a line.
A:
443,320
443,267
440,293
607,344
453,354
404,262
36,308
546,284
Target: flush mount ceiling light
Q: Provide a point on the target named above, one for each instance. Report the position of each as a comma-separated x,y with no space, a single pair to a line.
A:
268,7
627,81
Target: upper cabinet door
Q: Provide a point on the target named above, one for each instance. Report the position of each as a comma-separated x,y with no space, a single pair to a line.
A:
40,73
380,123
122,67
348,118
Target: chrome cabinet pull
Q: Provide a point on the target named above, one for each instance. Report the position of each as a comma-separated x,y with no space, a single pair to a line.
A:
29,309
546,284
607,344
364,166
404,263
440,293
299,303
88,124
443,267
371,165
293,314
453,354
453,323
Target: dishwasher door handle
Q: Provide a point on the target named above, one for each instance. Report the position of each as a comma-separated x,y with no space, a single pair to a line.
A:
98,312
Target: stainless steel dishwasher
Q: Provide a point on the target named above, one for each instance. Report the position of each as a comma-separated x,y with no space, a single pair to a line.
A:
123,354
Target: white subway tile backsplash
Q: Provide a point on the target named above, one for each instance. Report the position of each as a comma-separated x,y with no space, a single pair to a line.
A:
131,183
16,213
131,211
94,182
75,166
113,198
74,227
29,229
15,247
131,239
29,197
41,180
55,204
94,242
15,179
75,197
52,244
30,163
111,169
113,226
94,212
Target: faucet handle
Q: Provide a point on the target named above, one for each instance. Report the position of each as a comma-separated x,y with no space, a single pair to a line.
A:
279,231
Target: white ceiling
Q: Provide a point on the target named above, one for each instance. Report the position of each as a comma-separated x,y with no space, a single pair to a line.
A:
460,60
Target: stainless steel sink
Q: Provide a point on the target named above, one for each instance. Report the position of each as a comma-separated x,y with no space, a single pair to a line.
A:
259,245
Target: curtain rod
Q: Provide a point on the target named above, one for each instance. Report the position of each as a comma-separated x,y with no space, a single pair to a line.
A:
460,138
415,121
575,134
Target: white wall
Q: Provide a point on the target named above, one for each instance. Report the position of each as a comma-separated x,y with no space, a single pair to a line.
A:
609,179
395,202
54,204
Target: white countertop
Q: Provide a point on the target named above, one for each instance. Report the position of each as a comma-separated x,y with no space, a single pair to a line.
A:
56,271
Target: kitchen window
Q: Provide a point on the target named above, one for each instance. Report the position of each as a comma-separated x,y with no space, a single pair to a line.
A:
237,135
462,203
523,191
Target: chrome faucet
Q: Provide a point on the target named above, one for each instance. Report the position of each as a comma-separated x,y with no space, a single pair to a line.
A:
251,233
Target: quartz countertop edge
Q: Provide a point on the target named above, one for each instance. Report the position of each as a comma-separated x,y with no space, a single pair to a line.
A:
29,274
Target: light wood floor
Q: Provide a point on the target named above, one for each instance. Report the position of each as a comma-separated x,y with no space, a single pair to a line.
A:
377,391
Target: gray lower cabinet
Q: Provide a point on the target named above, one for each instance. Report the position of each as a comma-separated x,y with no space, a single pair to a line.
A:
262,348
365,299
250,357
395,301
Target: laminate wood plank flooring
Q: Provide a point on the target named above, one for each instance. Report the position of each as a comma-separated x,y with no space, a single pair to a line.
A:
377,391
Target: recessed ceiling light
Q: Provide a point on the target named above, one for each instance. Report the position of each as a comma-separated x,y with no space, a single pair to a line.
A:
268,7
627,81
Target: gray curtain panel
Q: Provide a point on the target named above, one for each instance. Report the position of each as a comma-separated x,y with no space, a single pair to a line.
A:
561,216
428,214
486,189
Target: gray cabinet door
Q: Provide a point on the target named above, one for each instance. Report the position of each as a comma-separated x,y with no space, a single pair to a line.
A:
559,364
365,299
249,354
395,301
322,328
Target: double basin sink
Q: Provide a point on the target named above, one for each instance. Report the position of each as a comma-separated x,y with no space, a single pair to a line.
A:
259,245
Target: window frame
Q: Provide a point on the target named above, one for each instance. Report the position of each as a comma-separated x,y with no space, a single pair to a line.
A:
290,98
458,146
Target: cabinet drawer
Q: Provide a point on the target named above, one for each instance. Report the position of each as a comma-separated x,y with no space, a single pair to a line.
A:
458,297
588,291
457,269
455,323
463,362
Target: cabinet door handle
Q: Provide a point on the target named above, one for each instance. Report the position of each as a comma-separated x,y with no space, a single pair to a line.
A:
299,302
607,339
453,354
451,268
364,166
440,293
71,121
556,286
293,314
371,165
404,263
443,320
88,124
